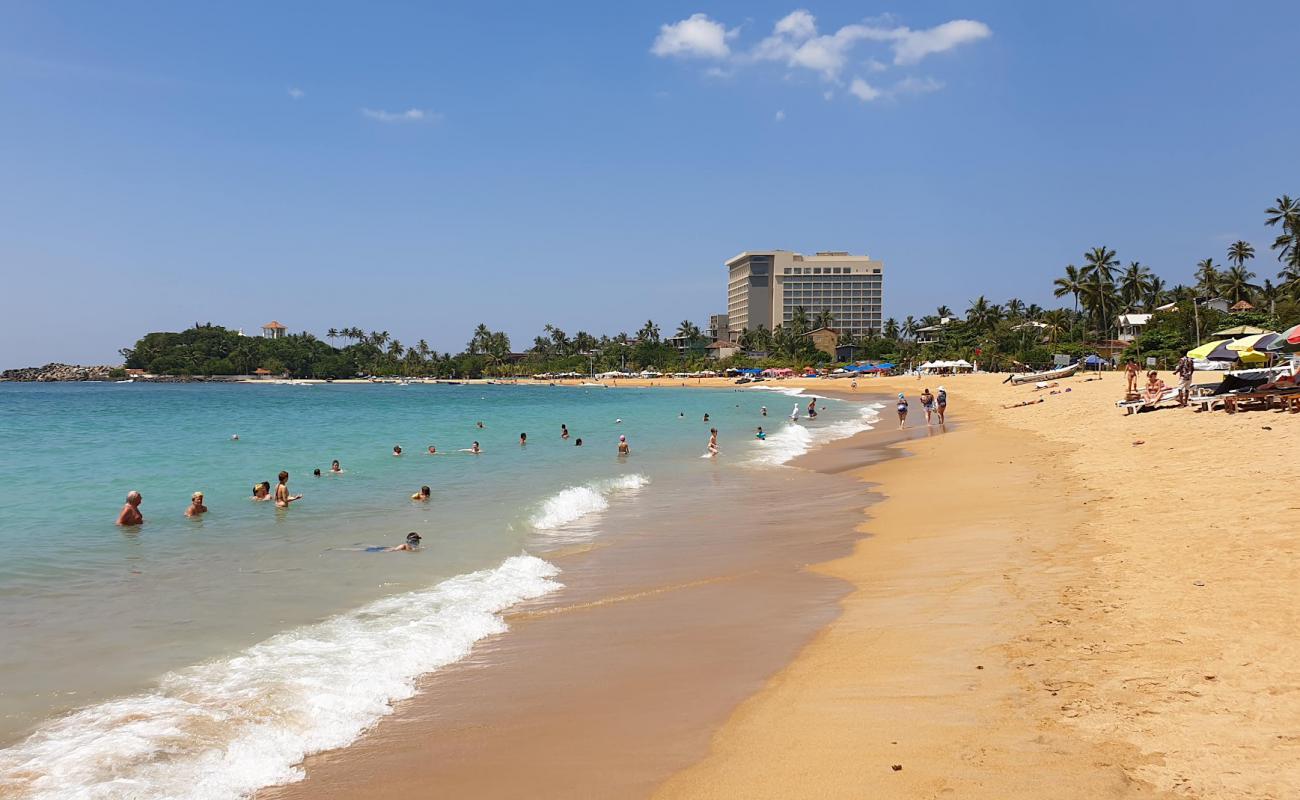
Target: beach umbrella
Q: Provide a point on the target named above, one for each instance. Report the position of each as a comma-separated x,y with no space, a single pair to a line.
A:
1240,330
1288,341
1223,352
1202,353
1258,342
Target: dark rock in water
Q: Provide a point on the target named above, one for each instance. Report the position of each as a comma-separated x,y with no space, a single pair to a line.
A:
59,372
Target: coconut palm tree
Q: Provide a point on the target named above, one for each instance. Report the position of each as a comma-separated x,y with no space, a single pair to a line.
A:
1240,252
649,332
1070,283
1235,283
1056,320
1269,294
1285,213
689,331
823,319
891,329
1015,308
1207,278
909,327
1134,284
1155,295
943,311
981,314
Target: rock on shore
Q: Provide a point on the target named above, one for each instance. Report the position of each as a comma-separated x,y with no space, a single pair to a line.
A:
59,372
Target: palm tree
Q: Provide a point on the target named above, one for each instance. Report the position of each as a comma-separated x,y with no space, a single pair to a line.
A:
1071,283
981,314
689,331
943,311
1286,213
1155,295
1270,294
824,319
332,334
1240,252
1134,284
909,327
891,329
1015,308
1235,283
1207,278
1056,321
649,332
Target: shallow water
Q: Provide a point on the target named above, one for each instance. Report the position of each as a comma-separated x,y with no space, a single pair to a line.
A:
237,643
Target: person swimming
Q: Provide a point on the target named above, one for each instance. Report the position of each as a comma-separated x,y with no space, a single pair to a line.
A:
411,544
433,451
196,505
474,448
262,491
334,466
480,424
763,411
421,496
523,439
760,434
564,431
578,442
397,449
706,417
130,514
316,472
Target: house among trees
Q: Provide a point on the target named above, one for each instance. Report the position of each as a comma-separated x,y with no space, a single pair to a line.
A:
825,340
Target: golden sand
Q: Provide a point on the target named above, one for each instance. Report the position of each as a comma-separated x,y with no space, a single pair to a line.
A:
1056,601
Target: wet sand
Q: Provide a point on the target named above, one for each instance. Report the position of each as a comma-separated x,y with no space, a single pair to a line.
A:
619,681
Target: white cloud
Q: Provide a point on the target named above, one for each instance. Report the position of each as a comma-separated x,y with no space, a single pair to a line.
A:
797,25
780,115
876,65
697,36
409,115
912,46
863,90
913,85
296,93
828,95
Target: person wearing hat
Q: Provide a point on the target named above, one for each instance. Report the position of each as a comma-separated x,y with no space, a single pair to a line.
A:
902,411
941,403
623,449
196,505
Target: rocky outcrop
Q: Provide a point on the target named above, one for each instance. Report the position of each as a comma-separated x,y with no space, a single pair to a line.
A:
58,372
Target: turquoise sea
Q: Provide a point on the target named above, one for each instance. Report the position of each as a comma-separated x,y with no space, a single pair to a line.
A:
205,657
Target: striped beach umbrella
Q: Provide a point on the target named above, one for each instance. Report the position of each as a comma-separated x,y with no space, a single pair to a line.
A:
1288,341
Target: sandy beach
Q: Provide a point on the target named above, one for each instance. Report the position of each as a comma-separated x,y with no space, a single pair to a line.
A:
1054,600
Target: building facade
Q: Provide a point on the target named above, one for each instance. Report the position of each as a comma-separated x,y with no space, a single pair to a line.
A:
765,287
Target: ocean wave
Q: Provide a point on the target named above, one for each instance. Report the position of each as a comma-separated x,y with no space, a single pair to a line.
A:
221,730
794,439
790,391
572,504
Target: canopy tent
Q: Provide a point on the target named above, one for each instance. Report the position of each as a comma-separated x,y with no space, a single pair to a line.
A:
1239,330
959,364
744,371
1094,360
782,372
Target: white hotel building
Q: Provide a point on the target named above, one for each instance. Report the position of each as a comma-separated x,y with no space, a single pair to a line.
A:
765,287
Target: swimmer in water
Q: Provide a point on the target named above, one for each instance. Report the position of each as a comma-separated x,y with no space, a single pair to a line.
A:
411,544
196,505
578,442
282,496
234,437
334,466
316,472
421,496
523,439
713,441
564,431
760,434
433,451
812,408
618,421
130,514
706,417
397,449
763,411
480,424
623,449
262,491
474,448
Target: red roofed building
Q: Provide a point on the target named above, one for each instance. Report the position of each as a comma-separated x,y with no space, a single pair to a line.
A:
273,330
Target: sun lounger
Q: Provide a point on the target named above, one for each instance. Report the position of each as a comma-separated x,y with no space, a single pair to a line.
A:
1133,406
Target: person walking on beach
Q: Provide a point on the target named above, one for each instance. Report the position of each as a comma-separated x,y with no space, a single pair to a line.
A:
1131,375
713,441
623,449
1186,367
196,505
941,403
902,411
131,511
282,496
927,404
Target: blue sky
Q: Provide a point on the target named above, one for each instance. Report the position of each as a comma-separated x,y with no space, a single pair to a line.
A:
422,169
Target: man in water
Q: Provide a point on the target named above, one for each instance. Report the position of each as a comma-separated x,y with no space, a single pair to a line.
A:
523,439
433,451
564,431
794,415
623,449
578,442
421,496
282,496
262,491
474,448
713,441
397,449
763,411
334,466
812,408
131,511
411,544
196,505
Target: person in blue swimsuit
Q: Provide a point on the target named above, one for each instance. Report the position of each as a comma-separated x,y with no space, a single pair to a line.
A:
902,411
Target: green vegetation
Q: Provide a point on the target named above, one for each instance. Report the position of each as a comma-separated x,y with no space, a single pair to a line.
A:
994,335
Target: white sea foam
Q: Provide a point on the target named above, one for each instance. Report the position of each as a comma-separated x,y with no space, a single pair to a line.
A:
790,391
796,438
572,504
221,730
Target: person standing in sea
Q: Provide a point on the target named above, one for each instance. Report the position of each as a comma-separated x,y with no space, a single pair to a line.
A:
282,496
713,441
131,511
623,449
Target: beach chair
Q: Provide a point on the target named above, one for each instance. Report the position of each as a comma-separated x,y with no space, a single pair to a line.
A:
1134,406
